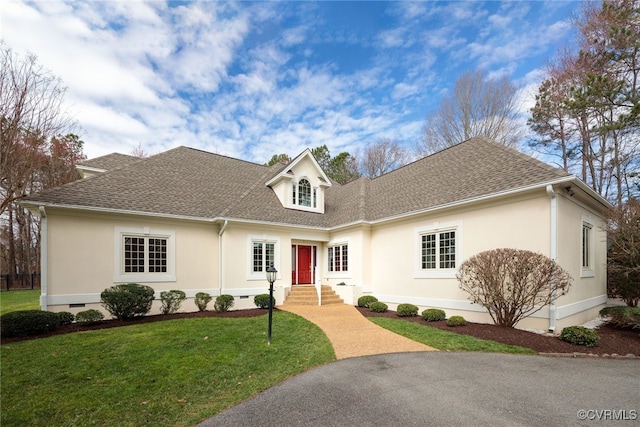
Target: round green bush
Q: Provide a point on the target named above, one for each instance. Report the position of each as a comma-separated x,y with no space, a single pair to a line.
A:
456,321
378,307
89,316
433,315
65,317
262,301
580,335
171,300
127,301
28,322
224,302
365,300
407,310
202,299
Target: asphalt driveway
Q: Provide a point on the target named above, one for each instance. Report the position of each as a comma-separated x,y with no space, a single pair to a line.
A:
446,389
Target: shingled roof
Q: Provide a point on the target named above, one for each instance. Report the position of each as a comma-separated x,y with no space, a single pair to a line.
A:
109,161
187,182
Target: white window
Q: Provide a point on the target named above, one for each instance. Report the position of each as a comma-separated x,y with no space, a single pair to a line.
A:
586,246
338,257
438,249
263,256
144,255
264,251
304,193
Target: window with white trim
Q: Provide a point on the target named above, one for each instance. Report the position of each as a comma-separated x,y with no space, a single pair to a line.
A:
263,251
304,193
338,257
587,248
438,250
263,256
144,255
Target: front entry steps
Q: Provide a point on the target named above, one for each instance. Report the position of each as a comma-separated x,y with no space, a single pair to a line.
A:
307,295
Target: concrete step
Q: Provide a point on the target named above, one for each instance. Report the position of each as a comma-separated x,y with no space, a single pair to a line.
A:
307,295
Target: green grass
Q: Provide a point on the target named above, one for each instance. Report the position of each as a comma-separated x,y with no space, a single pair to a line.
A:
443,340
19,300
175,372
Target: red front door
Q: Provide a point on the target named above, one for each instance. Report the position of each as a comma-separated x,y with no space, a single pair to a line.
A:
303,267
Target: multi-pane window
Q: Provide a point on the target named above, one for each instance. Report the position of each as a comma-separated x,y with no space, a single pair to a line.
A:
438,250
586,245
428,251
304,193
263,256
157,255
339,258
145,255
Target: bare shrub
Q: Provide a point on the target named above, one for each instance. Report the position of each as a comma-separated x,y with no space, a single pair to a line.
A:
511,283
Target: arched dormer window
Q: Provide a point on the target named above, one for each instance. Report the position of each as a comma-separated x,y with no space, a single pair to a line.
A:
304,193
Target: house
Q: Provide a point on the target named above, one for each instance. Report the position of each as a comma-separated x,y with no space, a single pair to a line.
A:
201,222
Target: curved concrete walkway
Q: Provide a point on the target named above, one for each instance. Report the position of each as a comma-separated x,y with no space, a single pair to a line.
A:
351,334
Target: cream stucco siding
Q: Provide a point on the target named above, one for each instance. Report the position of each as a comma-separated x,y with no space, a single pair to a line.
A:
83,257
521,223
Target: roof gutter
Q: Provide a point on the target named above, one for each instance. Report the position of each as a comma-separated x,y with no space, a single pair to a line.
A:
44,255
553,253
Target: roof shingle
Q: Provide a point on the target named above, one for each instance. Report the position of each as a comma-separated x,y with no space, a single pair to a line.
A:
193,183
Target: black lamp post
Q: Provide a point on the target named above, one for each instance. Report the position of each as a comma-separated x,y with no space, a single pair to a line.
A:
271,277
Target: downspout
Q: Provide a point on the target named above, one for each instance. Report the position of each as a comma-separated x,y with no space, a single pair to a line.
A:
43,258
224,226
553,253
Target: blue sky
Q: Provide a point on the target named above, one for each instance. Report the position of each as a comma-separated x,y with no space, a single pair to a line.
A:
252,79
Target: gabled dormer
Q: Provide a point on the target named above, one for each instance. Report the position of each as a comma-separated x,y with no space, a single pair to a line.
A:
301,184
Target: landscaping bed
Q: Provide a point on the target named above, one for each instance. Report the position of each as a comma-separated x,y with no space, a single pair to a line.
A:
612,340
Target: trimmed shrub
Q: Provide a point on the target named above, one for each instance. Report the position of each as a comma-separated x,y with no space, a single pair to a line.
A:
28,322
202,299
622,317
171,301
365,300
433,315
262,301
89,316
456,321
378,307
65,317
580,335
224,302
127,301
407,310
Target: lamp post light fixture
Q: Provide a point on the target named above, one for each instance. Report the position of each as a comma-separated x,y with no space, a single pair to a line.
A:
271,277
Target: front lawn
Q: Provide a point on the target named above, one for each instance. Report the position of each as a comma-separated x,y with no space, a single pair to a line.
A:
176,372
19,300
443,340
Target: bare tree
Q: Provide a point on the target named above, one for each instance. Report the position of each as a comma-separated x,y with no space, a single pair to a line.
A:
477,107
383,156
30,114
36,151
512,283
138,151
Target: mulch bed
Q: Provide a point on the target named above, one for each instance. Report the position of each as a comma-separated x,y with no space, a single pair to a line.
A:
612,340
